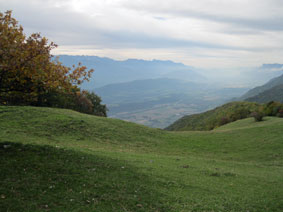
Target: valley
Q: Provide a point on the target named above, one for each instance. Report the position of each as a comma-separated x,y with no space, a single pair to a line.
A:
157,93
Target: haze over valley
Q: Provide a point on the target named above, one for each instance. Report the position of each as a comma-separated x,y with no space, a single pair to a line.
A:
156,93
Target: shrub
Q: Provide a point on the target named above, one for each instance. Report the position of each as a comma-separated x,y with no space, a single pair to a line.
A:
224,120
280,113
98,109
258,116
272,108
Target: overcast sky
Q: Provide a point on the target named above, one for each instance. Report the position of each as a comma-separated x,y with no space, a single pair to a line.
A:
201,33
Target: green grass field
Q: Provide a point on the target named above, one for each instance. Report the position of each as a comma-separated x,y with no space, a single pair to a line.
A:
60,160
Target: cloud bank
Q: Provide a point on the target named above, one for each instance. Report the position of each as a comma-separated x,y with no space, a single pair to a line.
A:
205,33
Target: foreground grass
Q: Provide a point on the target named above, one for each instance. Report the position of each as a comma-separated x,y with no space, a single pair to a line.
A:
59,160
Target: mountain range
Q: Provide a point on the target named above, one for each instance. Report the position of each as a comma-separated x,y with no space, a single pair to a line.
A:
109,71
156,93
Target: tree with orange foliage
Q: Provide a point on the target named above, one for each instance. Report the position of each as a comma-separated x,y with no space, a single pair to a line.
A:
30,76
27,70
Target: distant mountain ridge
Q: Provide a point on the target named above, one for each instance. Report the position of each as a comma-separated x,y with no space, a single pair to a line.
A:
109,71
272,66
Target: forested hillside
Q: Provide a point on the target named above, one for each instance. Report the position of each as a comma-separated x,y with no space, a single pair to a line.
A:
257,90
214,118
273,94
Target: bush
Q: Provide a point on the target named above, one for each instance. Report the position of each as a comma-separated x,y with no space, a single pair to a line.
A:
99,109
258,116
83,102
272,108
280,113
239,113
224,120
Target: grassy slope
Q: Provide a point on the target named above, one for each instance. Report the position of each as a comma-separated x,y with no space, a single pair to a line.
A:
212,118
60,160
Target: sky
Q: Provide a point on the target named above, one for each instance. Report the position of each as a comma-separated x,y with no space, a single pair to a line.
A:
200,33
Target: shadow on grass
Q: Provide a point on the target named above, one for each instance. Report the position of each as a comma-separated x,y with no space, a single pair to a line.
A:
44,178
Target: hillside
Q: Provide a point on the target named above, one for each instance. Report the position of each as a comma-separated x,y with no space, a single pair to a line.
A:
273,94
257,90
60,160
214,118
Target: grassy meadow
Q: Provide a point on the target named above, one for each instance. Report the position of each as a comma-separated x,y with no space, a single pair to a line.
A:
61,160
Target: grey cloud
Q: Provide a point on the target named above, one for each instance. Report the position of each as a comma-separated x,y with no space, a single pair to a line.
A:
273,22
125,39
66,27
160,18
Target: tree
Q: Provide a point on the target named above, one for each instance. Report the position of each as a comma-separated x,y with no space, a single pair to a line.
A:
29,75
98,108
27,71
